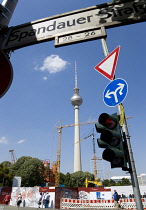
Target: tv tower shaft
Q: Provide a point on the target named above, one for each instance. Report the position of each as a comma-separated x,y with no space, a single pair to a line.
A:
76,101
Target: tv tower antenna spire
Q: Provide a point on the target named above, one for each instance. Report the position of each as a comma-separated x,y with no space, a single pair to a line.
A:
76,76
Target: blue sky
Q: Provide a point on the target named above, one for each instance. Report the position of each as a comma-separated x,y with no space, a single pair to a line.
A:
39,96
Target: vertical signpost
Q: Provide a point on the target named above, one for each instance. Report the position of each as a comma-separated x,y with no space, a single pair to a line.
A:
109,73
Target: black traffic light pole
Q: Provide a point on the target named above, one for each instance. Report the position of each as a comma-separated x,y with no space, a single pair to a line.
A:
131,162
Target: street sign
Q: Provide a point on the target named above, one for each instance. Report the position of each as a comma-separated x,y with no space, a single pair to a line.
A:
115,92
107,66
6,73
108,15
79,37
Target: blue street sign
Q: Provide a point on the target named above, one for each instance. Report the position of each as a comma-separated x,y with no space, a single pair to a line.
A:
115,92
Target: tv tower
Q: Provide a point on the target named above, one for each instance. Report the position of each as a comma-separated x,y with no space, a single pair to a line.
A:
76,101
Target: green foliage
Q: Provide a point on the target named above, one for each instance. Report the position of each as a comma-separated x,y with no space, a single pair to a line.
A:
109,183
31,170
68,181
6,164
124,182
62,178
6,176
76,179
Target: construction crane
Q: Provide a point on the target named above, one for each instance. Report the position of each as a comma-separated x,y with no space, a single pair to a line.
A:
94,153
12,156
94,157
57,175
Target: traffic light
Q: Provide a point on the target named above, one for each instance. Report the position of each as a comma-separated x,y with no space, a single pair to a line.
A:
111,139
6,72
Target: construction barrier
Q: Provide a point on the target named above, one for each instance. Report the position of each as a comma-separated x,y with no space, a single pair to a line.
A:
71,198
98,204
30,196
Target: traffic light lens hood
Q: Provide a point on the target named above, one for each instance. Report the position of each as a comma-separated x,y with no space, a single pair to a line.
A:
108,155
99,128
114,156
110,137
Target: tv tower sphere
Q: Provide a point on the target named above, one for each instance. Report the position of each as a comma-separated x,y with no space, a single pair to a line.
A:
76,100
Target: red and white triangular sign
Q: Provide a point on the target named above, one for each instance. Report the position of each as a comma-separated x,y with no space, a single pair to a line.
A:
107,66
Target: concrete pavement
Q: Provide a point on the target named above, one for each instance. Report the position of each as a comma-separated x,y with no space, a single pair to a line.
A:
4,207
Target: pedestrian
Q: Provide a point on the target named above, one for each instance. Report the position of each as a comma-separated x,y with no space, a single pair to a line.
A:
47,200
40,200
7,199
19,200
116,199
24,203
43,200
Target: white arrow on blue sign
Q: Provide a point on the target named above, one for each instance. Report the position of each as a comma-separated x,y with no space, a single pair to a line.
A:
115,92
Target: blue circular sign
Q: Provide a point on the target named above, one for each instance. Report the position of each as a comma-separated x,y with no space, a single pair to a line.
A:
115,92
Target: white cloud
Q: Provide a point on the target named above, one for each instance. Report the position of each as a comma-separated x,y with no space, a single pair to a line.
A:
53,64
45,78
21,141
3,140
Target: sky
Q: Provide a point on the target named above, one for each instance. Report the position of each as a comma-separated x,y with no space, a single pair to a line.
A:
38,99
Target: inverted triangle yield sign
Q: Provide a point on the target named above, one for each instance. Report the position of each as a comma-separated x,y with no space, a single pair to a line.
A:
107,66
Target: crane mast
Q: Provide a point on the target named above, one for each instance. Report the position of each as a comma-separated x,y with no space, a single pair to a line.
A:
94,158
12,156
57,175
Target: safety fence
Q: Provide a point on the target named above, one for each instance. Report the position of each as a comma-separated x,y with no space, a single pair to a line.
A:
98,204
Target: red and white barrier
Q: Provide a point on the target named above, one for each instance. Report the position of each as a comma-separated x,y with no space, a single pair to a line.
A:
76,203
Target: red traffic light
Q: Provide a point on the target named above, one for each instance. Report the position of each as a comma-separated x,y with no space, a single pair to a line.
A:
6,73
107,120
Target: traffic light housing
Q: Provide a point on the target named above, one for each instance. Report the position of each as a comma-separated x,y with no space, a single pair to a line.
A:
6,72
111,139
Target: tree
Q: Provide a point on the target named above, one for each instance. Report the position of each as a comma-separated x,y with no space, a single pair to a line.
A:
31,170
106,183
125,182
68,180
6,164
109,183
62,178
78,178
112,182
6,177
